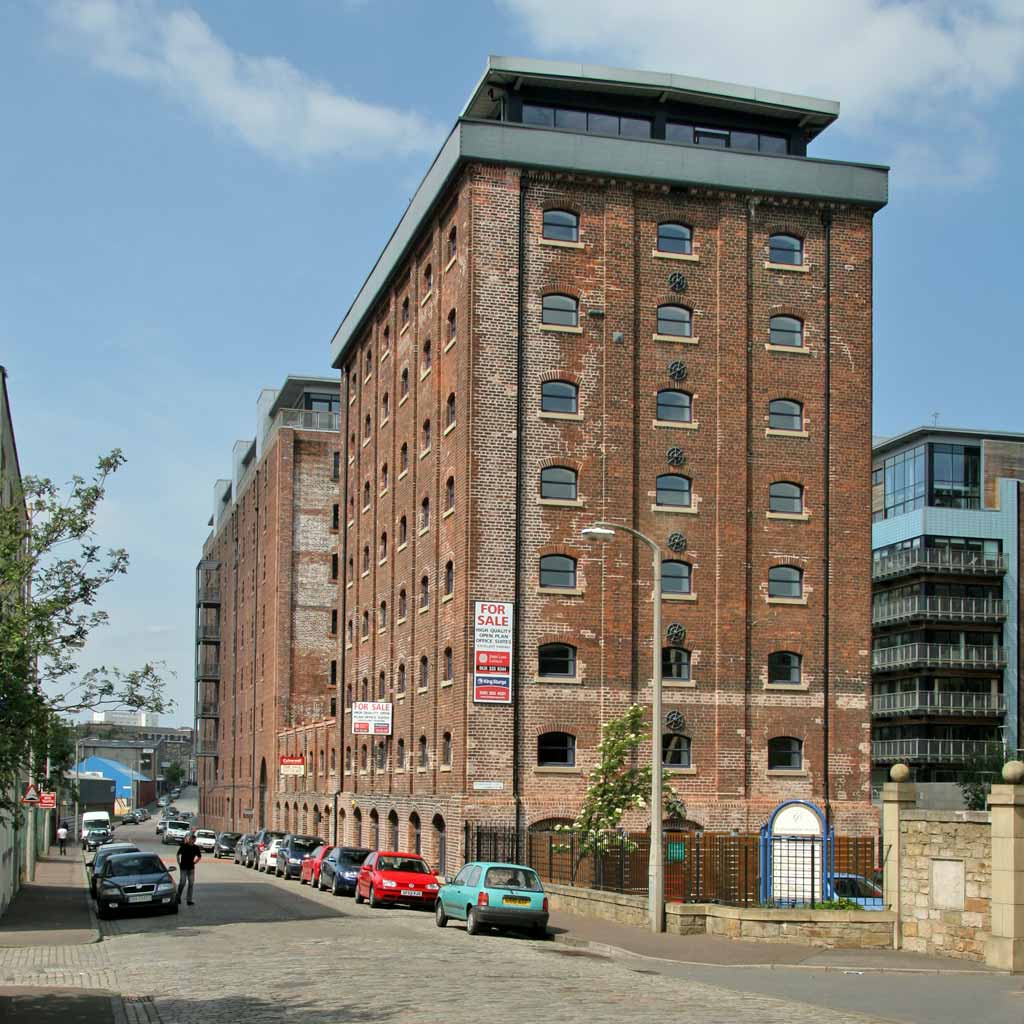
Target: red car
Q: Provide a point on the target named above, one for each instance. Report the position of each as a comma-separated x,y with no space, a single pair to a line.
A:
310,871
389,877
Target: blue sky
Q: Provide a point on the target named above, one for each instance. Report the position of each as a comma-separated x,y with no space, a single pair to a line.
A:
191,194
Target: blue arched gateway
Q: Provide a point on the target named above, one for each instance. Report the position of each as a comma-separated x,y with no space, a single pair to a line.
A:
797,855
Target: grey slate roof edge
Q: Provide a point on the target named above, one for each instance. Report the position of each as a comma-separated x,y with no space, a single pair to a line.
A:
899,440
454,152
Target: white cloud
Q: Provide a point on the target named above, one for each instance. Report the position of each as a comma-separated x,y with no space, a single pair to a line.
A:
266,101
892,62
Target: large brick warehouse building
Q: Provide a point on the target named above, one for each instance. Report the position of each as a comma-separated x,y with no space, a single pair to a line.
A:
615,296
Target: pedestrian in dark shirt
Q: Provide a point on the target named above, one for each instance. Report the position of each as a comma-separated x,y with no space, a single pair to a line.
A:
188,854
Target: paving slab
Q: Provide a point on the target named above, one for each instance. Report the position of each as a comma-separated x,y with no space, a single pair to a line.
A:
56,1006
53,910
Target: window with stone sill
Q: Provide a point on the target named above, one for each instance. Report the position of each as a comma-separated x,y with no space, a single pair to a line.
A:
424,672
674,406
785,414
675,751
675,664
453,243
425,592
425,436
427,356
785,581
400,754
556,660
446,750
786,497
786,249
405,311
784,668
556,750
452,326
403,458
449,420
675,238
449,579
382,615
425,514
673,491
785,753
403,531
450,494
675,321
447,665
675,577
558,483
786,331
401,677
404,381
423,763
428,279
558,571
560,396
561,226
402,604
383,546
560,310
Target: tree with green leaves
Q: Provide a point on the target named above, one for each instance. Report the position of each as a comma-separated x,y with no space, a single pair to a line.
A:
977,774
174,774
616,785
52,574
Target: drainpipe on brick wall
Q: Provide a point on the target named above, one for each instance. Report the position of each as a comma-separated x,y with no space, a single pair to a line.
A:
826,219
748,614
255,630
518,597
342,620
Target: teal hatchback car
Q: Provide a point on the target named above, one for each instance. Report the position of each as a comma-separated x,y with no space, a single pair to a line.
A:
487,895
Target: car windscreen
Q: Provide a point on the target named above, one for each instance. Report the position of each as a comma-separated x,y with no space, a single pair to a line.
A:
205,834
512,878
179,824
131,865
402,864
353,858
230,837
305,845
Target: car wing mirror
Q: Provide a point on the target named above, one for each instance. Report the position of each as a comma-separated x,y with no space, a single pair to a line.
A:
89,863
171,868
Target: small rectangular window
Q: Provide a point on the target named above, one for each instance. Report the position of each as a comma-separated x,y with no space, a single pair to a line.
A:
603,124
744,140
711,137
542,116
777,145
571,120
675,132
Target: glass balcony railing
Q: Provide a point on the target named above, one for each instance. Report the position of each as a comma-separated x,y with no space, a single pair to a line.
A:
206,746
208,631
938,560
936,702
939,609
207,710
966,656
930,751
207,668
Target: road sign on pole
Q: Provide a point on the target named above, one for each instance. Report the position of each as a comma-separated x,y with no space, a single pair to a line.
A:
31,794
47,801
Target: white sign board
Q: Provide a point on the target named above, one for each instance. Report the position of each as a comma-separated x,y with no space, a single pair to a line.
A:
293,764
486,784
492,652
371,717
796,856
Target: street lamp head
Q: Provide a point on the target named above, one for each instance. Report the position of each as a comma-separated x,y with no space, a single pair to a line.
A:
598,533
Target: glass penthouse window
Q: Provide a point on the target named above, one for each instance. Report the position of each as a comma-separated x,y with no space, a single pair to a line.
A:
593,122
726,138
955,476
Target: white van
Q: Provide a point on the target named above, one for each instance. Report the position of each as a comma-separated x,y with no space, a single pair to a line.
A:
94,819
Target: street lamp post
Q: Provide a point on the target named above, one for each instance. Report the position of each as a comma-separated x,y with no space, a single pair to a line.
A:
604,532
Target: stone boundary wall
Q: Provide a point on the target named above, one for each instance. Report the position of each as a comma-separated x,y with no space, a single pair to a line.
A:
829,929
946,882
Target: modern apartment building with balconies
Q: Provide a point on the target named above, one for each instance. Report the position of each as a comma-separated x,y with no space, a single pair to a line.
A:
946,531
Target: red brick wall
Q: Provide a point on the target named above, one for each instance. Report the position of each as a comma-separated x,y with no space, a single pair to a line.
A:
275,548
730,712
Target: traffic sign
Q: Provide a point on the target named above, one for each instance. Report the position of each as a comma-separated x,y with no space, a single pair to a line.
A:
47,801
31,794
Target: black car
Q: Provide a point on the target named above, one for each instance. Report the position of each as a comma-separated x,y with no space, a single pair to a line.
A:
134,881
339,868
96,864
96,837
260,842
131,818
294,849
225,844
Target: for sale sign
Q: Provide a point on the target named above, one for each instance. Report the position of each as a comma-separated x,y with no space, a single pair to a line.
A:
371,717
492,652
293,764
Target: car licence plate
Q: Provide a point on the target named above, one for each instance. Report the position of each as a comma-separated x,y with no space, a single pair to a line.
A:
516,901
409,892
144,898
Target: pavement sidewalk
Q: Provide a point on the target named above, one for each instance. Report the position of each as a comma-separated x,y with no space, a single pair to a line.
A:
53,910
716,951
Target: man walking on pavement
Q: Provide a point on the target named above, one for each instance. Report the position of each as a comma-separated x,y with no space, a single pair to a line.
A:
62,838
188,854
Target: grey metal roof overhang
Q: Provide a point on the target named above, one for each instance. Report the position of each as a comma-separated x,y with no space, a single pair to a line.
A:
813,115
664,162
963,433
293,388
